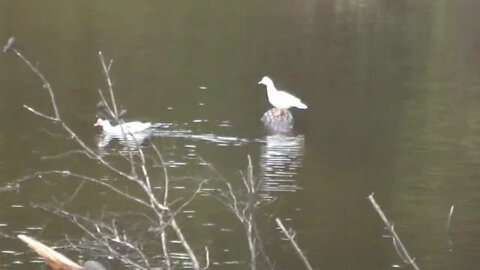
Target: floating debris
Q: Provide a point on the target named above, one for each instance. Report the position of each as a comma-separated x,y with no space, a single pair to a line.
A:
200,121
9,45
34,228
225,124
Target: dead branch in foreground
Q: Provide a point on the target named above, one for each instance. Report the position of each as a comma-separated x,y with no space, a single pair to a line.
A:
401,250
53,258
56,260
291,237
138,174
449,220
107,236
244,209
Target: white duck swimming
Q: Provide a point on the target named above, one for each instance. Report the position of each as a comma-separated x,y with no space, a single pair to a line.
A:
125,128
281,99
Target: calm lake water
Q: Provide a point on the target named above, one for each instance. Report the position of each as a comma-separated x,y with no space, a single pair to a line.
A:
393,89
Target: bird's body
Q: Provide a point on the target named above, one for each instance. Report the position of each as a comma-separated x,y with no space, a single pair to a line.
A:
125,128
281,99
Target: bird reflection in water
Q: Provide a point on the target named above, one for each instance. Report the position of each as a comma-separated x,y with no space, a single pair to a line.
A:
281,157
129,142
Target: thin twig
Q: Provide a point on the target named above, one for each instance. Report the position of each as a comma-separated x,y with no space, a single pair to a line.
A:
35,175
106,71
164,236
290,238
450,214
402,251
207,259
244,209
159,209
46,84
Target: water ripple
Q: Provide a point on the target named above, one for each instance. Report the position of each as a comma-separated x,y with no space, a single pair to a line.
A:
281,157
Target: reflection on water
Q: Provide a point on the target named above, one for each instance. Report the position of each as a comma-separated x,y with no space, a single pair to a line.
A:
393,87
130,142
281,157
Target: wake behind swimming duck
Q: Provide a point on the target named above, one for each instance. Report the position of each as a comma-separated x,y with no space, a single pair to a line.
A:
124,128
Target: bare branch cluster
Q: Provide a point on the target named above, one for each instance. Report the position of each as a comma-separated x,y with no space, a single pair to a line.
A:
244,208
107,237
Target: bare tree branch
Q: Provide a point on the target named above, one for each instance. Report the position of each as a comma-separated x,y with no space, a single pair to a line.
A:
401,250
290,236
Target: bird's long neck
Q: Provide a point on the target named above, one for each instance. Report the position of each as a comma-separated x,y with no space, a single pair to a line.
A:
271,87
271,90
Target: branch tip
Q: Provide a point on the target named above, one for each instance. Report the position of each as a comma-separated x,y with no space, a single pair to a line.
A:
9,45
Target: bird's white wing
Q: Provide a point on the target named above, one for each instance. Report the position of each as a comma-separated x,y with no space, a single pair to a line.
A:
291,100
136,126
287,97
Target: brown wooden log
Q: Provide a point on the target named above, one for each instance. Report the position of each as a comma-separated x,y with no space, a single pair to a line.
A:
278,120
54,259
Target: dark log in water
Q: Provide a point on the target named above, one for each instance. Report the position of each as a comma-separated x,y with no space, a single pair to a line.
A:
278,120
56,260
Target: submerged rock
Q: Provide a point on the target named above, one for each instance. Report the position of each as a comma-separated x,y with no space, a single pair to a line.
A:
278,120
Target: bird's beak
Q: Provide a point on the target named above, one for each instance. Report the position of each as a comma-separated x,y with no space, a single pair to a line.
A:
260,82
97,123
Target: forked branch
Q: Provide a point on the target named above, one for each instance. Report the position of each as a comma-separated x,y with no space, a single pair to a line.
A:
160,208
291,237
399,246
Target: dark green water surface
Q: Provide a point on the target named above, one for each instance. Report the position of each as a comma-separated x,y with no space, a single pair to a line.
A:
393,89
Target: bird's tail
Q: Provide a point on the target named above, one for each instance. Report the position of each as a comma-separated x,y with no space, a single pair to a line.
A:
161,125
302,106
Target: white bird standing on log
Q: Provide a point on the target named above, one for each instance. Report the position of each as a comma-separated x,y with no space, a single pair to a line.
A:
281,99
